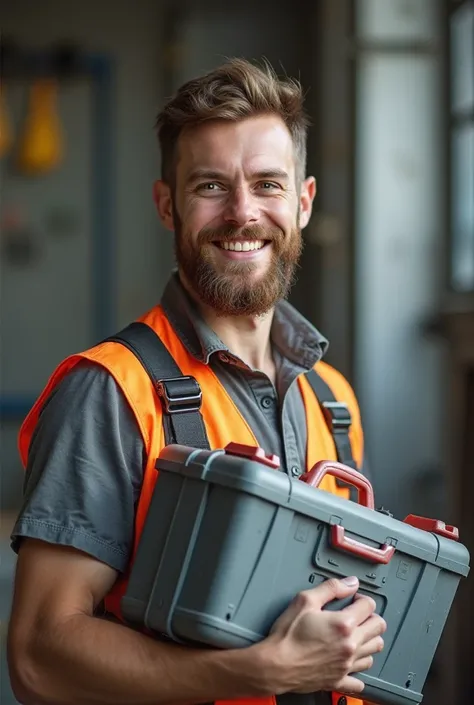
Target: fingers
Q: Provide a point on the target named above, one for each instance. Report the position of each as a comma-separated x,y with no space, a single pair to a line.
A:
350,686
369,648
362,664
331,589
358,612
373,627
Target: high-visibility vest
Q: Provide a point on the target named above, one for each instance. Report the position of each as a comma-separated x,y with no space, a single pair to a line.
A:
223,421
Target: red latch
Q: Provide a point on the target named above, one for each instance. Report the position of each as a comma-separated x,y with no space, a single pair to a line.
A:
253,453
435,526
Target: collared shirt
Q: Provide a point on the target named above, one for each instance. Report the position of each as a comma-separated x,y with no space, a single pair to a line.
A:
87,457
275,413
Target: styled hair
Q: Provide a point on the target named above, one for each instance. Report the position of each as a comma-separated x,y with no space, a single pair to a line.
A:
235,90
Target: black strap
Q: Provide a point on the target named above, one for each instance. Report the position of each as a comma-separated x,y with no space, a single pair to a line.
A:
339,420
180,395
337,415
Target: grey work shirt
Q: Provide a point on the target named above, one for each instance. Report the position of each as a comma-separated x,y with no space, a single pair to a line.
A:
87,456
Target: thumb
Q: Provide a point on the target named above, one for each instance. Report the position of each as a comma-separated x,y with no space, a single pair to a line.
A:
334,589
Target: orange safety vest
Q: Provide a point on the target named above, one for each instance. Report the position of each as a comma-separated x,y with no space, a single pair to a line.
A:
222,420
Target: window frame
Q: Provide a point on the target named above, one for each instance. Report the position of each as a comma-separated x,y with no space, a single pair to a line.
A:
456,120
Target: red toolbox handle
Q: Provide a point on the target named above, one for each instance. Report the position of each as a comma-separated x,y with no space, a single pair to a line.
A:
345,473
361,550
435,526
366,498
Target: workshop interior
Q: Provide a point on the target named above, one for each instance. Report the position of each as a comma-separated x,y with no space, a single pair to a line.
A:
387,272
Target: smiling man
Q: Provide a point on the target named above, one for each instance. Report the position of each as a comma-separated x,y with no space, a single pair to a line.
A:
235,194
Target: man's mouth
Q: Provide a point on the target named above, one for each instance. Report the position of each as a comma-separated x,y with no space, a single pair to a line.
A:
241,245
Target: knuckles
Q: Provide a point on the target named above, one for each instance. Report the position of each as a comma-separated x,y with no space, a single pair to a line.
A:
348,650
345,625
303,600
371,602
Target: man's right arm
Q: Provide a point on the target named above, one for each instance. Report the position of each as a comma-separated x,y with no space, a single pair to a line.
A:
59,653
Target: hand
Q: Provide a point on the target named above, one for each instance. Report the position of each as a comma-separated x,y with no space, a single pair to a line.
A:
310,649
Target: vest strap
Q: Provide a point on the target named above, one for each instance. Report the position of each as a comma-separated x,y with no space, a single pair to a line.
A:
180,395
339,421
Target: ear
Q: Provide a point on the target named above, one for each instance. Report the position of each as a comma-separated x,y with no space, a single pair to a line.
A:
164,203
307,194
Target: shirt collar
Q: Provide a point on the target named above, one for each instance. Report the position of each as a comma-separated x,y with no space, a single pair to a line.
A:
292,334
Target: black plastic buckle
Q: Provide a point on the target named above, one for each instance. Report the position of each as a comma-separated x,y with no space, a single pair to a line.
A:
338,415
180,395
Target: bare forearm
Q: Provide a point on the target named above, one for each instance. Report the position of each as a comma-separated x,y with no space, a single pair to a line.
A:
87,661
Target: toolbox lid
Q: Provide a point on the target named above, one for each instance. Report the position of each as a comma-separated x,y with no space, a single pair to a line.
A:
358,529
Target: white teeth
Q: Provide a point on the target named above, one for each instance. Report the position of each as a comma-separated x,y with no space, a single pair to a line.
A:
245,246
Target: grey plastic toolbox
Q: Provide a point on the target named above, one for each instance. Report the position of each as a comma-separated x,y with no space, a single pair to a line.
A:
229,541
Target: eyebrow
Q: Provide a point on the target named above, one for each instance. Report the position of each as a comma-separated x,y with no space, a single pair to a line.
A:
208,174
271,174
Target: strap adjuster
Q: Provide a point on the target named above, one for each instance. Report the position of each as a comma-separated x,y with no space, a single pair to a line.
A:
180,394
337,415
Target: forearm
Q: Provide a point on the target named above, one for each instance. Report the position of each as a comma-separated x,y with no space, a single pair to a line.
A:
88,661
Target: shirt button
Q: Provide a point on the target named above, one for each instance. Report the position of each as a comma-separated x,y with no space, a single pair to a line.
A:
267,402
223,357
295,471
342,701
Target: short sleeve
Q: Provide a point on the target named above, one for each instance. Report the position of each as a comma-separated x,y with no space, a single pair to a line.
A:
85,469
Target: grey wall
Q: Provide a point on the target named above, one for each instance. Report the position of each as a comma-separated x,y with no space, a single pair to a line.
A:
45,311
133,39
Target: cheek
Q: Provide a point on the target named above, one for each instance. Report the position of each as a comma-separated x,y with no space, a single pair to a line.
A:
200,213
283,214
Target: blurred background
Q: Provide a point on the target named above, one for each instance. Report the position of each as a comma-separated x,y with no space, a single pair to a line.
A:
388,268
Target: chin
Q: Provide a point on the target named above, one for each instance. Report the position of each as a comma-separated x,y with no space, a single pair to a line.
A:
245,270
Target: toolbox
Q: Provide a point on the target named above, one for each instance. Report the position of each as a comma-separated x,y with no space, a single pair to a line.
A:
229,541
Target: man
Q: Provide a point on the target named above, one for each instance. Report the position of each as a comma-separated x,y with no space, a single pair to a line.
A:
234,193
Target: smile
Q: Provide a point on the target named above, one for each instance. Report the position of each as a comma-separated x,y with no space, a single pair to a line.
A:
241,245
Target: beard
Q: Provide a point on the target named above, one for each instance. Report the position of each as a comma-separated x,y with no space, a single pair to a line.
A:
231,288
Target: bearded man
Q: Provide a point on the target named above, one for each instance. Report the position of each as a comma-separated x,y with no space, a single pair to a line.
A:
234,192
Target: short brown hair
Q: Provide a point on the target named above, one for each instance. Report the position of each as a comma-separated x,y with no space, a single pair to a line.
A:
234,91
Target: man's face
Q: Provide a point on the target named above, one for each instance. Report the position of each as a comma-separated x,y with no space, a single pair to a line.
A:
236,213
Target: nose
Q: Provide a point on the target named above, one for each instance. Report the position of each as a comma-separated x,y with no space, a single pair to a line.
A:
241,208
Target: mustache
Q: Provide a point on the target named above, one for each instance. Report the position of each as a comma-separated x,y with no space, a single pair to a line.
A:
228,233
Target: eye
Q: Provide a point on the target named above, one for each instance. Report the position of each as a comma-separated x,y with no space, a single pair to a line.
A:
209,186
268,185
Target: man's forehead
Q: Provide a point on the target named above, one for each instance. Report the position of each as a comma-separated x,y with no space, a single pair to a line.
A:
257,143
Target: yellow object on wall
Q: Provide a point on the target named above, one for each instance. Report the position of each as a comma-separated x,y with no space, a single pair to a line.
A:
41,146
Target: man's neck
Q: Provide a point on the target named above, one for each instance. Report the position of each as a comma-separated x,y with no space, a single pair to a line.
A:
247,337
